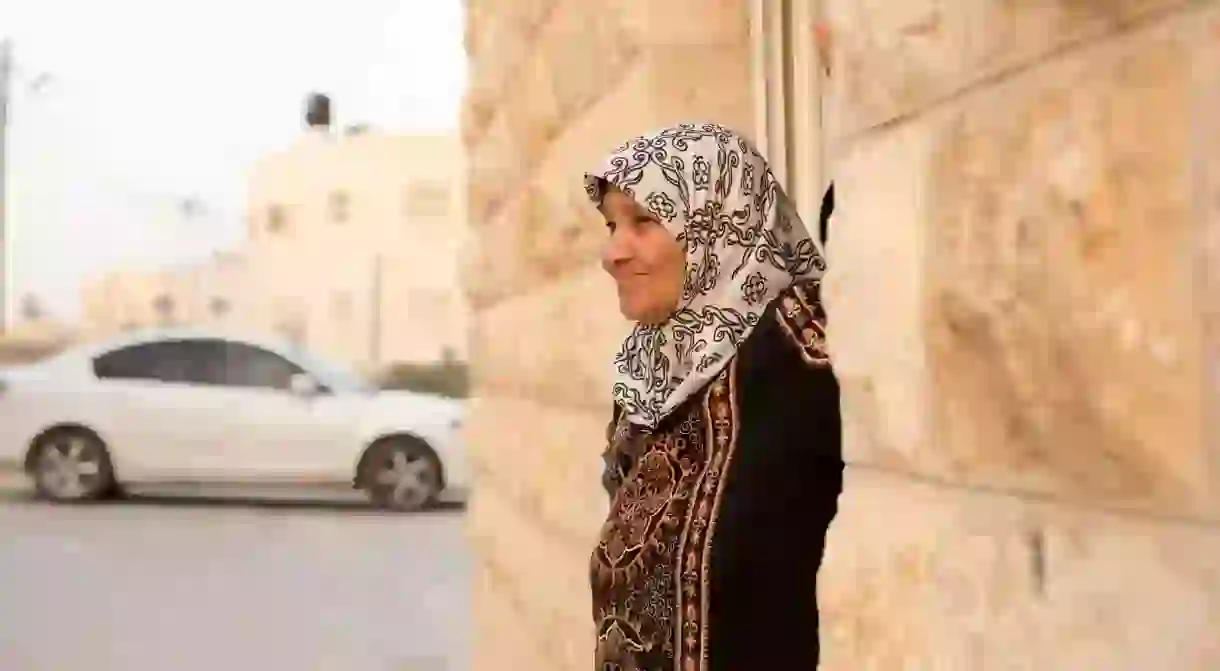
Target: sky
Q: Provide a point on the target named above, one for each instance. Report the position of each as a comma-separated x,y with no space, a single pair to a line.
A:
120,109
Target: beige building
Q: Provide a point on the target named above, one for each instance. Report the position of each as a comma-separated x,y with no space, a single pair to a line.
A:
356,236
352,250
210,293
1022,299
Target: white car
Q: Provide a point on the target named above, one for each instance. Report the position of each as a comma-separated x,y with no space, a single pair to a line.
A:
191,407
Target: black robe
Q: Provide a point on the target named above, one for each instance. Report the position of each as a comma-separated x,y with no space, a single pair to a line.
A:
709,556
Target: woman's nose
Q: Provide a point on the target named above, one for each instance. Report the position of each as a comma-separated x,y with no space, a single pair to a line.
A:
617,251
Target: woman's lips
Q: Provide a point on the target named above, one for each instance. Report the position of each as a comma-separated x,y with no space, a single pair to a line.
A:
628,277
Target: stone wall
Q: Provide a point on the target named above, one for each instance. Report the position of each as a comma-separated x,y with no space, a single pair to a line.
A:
554,85
1024,262
1022,308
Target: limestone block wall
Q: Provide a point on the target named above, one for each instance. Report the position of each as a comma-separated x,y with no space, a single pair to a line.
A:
1023,303
554,85
1023,317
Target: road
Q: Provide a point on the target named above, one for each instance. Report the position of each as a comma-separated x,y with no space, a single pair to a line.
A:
178,584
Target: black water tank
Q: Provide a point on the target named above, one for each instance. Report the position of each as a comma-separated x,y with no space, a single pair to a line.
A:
317,111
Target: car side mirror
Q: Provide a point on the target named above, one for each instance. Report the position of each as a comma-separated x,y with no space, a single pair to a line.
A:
303,385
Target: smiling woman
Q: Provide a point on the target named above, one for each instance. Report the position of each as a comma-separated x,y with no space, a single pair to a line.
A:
724,463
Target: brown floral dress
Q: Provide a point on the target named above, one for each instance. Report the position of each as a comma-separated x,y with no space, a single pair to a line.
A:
709,556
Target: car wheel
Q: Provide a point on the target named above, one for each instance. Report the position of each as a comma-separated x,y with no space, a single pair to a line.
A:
71,465
401,474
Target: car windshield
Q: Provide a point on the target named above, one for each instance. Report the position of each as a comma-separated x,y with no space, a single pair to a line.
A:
332,374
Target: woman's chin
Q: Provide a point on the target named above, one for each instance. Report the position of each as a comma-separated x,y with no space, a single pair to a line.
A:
646,317
645,312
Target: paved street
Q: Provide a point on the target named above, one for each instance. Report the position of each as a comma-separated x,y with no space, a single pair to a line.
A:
172,584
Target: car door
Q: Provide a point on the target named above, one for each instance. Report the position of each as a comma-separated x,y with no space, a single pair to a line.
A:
155,411
277,434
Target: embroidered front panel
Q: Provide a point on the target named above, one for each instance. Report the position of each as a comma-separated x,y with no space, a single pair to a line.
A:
622,449
650,569
801,314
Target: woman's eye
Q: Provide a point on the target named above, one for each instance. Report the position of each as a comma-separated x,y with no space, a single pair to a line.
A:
610,226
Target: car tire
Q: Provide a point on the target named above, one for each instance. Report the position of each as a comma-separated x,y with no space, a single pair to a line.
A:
401,475
69,465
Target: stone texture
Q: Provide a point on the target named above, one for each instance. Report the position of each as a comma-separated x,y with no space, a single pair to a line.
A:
1024,264
685,22
1206,143
1038,325
553,344
701,84
546,466
502,639
893,59
494,174
876,334
495,267
541,576
1061,325
890,58
530,111
501,36
587,52
982,581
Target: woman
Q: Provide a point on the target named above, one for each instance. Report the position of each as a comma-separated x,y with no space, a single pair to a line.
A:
724,464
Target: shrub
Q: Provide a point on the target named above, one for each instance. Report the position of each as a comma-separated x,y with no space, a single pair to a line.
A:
446,378
16,353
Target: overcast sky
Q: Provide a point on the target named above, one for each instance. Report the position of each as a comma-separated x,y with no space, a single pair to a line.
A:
148,101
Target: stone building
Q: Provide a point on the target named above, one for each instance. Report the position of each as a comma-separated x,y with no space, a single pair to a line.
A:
355,235
351,250
1022,305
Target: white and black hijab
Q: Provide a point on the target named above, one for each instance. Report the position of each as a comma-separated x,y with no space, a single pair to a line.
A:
745,244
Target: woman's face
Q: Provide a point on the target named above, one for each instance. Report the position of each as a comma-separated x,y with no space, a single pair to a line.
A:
648,265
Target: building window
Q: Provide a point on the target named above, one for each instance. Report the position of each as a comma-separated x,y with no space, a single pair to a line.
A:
31,308
339,205
277,218
426,199
163,305
292,330
219,307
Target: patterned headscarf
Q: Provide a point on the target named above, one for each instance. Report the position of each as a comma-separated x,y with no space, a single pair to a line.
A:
745,243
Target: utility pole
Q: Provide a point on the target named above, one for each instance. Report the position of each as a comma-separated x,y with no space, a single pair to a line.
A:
375,313
6,77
